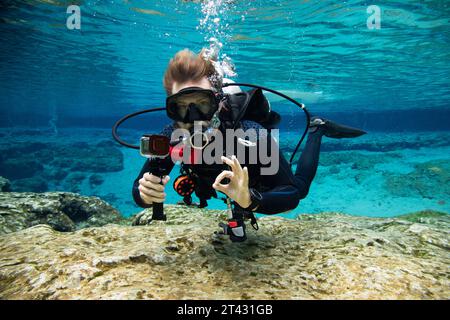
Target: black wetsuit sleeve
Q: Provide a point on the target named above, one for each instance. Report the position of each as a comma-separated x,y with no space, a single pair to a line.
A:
279,191
151,165
283,194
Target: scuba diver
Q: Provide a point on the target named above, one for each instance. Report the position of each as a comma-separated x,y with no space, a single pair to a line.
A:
195,93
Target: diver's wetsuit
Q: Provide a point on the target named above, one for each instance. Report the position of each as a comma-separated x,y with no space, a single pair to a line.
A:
280,192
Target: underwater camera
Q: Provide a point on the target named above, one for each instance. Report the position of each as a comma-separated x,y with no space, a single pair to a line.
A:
154,146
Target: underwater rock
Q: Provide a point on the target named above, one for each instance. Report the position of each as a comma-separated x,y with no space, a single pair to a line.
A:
426,217
73,182
18,169
55,174
5,185
429,180
323,256
62,211
95,180
334,170
54,161
104,156
357,160
34,184
110,197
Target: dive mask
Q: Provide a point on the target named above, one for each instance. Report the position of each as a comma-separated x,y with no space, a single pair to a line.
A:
192,104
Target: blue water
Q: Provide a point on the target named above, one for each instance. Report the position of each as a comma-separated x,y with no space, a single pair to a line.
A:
61,87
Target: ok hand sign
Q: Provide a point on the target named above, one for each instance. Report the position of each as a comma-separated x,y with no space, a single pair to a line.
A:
237,189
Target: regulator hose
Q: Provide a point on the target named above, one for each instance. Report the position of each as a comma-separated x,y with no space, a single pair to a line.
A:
300,105
128,116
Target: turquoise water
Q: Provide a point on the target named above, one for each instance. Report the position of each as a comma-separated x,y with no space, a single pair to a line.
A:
62,89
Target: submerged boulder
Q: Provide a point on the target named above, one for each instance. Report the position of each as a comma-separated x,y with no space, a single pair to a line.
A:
34,184
34,167
5,185
19,169
324,256
430,180
62,211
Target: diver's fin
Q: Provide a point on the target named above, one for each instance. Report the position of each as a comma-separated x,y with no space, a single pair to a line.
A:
335,130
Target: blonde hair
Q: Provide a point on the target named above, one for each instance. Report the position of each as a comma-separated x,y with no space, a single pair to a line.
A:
187,66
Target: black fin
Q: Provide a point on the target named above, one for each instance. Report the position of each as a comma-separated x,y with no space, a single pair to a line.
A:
338,131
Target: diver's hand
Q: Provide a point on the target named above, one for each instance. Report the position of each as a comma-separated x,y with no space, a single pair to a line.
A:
150,189
237,189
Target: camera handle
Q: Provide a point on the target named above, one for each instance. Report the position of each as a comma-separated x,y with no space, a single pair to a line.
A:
158,207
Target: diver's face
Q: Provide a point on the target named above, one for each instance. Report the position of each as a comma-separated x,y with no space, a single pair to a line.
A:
176,87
